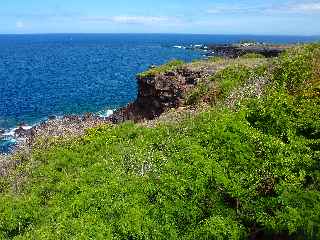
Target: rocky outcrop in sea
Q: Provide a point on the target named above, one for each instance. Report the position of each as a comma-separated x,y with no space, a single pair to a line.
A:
238,50
234,51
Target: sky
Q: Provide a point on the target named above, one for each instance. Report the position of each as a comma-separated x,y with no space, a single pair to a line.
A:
271,17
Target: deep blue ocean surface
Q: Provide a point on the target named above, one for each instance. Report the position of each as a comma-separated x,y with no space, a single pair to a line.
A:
57,74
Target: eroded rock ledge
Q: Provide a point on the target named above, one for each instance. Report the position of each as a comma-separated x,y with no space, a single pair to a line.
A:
157,94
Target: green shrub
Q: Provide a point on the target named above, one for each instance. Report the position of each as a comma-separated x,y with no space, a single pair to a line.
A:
194,96
3,185
222,83
264,114
296,68
218,175
315,82
213,176
231,77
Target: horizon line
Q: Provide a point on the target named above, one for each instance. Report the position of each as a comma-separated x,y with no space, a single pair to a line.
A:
155,33
166,33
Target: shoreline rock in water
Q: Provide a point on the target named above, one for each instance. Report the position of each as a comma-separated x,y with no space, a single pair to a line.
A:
22,131
67,126
238,50
2,131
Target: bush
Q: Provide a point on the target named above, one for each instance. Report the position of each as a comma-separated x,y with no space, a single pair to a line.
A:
231,77
297,68
220,85
213,176
219,175
194,96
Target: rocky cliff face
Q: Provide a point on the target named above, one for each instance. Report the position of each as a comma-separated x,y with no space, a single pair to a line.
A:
158,93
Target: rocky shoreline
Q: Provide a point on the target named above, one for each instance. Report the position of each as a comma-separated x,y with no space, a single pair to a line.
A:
69,125
238,50
156,95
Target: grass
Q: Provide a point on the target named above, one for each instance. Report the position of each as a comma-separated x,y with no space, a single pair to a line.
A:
222,174
217,63
170,66
220,85
253,55
215,59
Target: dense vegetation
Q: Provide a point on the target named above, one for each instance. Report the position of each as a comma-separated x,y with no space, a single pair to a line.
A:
253,171
220,85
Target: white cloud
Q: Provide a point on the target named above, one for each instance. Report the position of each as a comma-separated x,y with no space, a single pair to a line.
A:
288,8
232,9
20,24
140,20
305,7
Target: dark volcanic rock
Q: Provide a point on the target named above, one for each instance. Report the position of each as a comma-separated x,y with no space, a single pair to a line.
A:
52,117
72,118
234,51
88,116
157,94
22,133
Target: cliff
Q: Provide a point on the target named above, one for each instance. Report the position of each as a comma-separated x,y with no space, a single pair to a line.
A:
170,86
167,88
164,88
157,94
249,170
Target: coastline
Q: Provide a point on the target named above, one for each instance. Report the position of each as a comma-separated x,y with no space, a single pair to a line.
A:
23,135
228,138
155,96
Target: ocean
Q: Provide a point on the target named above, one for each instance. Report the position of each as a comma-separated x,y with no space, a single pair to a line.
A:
58,74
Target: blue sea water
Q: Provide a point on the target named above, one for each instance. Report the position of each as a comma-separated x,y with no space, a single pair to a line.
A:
58,74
